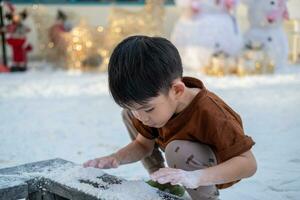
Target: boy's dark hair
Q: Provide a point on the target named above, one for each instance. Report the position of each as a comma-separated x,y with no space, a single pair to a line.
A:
141,68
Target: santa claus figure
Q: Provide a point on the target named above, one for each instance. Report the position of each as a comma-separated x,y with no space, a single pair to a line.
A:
58,31
16,33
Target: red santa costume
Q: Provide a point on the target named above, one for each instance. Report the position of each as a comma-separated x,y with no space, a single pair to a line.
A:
16,39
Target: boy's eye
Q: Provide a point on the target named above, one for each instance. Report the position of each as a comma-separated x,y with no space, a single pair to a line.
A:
149,110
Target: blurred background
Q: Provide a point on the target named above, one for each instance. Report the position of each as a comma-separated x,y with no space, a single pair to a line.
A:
54,98
86,31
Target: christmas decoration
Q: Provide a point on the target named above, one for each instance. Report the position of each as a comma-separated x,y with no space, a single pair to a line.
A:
42,20
221,64
293,30
266,19
252,61
204,29
85,46
255,60
266,13
271,40
123,23
266,46
57,34
53,33
16,32
81,49
3,66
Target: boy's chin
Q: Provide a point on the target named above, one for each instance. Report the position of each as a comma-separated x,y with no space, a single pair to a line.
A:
157,125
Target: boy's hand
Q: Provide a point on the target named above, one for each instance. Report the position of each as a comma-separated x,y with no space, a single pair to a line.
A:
188,179
106,162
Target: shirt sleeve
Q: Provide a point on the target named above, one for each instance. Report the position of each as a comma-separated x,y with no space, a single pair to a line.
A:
230,140
145,131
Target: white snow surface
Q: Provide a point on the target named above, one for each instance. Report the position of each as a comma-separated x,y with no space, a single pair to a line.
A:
47,113
130,190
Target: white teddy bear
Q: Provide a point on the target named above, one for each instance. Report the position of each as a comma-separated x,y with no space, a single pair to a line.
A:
267,13
204,28
272,40
266,30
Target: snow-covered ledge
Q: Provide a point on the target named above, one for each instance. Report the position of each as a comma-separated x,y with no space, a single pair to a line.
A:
49,178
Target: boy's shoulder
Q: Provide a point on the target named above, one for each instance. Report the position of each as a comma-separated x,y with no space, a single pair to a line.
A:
217,111
210,105
205,100
207,104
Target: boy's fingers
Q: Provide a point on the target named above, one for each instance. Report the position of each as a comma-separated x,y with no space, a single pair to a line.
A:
168,179
100,165
174,180
93,163
157,176
167,176
114,164
163,172
161,176
166,170
104,164
162,180
86,164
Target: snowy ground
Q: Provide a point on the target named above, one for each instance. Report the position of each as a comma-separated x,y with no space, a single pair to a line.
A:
50,113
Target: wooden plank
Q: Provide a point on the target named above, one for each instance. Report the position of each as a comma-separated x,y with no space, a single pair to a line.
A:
51,196
41,166
35,196
14,192
12,187
74,194
13,183
59,189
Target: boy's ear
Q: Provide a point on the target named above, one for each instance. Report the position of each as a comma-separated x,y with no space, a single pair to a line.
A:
178,88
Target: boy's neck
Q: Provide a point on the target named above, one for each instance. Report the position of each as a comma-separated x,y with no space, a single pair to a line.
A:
187,97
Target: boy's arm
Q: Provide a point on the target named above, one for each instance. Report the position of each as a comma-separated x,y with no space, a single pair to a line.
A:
134,151
234,169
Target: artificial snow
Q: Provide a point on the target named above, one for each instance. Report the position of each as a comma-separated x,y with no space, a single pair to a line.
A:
47,113
71,177
89,180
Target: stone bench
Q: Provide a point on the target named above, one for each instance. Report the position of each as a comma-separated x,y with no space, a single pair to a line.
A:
59,179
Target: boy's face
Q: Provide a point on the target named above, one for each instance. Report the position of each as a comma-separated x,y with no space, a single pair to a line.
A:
158,110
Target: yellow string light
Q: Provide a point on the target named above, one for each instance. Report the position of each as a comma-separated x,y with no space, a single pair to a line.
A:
293,30
86,45
124,23
251,61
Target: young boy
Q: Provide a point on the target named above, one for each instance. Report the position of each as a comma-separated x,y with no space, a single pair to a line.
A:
202,137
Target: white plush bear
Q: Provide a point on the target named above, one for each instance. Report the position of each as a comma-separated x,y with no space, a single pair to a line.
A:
270,13
272,40
204,28
265,19
197,7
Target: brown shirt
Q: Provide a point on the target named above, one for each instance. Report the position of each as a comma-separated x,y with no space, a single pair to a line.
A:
207,119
